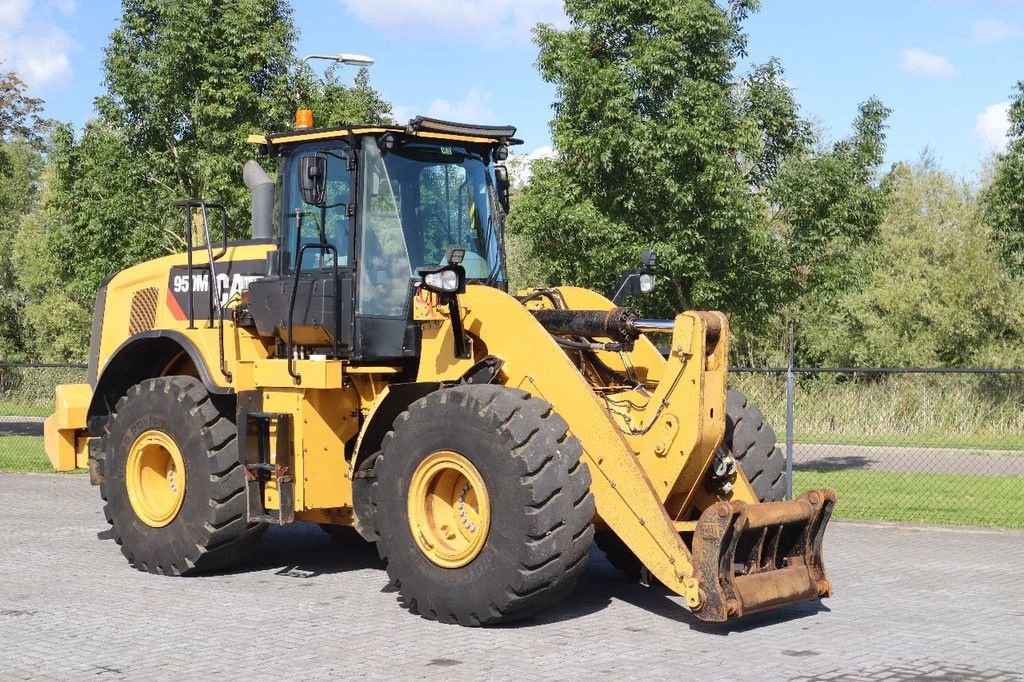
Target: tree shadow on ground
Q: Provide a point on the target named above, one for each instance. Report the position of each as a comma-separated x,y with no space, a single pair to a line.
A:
21,428
823,464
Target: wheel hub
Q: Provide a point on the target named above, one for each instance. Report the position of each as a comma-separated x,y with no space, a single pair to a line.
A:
449,510
155,478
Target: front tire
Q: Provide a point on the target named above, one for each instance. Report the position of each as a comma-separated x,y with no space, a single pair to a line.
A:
172,480
482,505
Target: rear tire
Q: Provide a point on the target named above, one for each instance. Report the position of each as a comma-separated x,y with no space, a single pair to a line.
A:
210,529
534,511
752,443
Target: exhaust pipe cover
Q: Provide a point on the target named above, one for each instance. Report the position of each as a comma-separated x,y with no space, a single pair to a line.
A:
262,188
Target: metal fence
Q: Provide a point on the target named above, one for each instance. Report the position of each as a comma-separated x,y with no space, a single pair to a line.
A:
901,444
920,445
26,398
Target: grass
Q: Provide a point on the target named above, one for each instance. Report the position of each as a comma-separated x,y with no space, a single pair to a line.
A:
951,410
952,499
28,391
23,454
25,409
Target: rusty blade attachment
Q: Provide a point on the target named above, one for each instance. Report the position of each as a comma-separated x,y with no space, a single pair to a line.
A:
755,557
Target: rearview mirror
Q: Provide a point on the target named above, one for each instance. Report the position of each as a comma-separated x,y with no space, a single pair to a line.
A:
502,185
313,178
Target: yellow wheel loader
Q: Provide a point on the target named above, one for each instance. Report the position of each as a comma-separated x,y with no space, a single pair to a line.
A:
359,363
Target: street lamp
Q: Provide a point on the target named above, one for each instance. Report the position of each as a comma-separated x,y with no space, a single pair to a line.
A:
342,58
304,117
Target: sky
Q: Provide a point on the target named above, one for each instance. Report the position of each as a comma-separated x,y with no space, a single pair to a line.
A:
945,67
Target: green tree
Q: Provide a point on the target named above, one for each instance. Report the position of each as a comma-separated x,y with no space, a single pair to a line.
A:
335,104
104,211
186,82
55,320
661,145
934,291
1003,199
20,115
828,202
22,132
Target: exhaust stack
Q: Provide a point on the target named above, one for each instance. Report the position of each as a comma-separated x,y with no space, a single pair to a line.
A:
262,189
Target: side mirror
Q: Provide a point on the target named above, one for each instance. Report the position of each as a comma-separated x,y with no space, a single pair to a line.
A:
313,178
502,186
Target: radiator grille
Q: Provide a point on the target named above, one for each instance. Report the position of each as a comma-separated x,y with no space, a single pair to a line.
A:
143,314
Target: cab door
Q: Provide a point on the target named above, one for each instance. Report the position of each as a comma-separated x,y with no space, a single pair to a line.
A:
312,291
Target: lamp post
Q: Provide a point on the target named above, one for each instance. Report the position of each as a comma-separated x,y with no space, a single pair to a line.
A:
342,58
304,117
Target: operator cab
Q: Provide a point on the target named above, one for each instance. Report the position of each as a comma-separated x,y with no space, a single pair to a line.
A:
359,213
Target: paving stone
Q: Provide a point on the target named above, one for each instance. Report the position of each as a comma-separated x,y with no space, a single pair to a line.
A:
910,603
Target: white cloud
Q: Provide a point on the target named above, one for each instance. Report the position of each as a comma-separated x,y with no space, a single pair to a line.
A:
921,63
544,152
402,113
33,45
502,18
520,167
992,126
13,14
44,60
475,107
993,31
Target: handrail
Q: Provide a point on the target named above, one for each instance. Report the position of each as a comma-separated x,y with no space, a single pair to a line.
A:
324,247
202,205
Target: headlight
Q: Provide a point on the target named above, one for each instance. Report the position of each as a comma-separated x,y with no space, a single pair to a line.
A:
444,280
646,283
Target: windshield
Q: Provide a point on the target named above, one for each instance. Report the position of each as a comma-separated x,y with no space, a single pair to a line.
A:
420,199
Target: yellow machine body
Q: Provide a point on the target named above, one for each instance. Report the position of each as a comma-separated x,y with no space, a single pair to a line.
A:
648,451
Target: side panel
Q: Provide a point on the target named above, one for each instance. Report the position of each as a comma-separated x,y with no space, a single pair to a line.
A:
233,277
97,330
150,297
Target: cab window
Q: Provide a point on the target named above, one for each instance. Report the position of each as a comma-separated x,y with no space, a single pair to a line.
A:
309,224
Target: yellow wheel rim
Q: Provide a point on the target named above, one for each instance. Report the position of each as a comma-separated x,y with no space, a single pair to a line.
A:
155,477
449,511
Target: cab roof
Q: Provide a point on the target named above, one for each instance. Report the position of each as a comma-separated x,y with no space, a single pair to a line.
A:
420,126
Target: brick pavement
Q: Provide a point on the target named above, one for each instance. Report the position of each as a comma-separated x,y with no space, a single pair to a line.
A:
910,602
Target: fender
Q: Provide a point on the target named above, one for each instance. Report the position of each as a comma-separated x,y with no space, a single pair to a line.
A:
143,356
396,398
